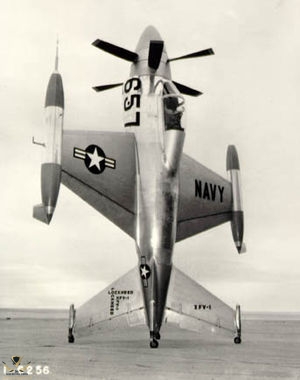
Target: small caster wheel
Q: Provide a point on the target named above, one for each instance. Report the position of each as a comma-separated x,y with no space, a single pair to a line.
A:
154,343
157,335
237,340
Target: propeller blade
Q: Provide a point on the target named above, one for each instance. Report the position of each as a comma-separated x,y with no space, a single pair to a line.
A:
187,90
116,50
201,53
155,52
106,87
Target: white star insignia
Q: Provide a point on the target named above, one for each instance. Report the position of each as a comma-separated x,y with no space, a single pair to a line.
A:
144,271
95,159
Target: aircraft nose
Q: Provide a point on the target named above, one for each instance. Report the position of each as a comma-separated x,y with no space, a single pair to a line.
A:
150,33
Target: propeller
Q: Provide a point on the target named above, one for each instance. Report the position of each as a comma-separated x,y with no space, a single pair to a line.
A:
116,50
181,87
201,53
155,52
154,57
106,87
187,90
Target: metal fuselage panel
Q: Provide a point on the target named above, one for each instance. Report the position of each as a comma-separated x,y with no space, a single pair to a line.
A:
156,194
157,191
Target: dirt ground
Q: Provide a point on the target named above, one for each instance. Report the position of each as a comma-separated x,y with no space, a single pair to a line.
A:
270,350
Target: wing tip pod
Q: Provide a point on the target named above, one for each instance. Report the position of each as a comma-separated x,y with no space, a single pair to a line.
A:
232,160
39,213
237,219
242,249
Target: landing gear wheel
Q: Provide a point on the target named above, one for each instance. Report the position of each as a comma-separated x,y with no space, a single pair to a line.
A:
157,335
237,340
154,343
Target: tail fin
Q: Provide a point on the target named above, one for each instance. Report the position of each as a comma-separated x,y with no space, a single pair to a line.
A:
118,305
192,307
189,306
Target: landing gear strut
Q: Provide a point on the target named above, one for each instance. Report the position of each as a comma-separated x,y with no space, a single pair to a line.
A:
71,338
238,325
72,313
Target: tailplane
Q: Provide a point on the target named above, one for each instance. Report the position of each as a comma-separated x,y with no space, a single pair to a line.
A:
190,306
118,305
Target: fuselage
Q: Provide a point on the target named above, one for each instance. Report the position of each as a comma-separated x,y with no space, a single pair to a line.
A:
153,110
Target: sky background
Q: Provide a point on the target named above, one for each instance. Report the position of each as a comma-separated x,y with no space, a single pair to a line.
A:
251,99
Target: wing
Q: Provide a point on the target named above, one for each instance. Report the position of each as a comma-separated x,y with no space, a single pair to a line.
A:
205,199
118,305
192,307
100,168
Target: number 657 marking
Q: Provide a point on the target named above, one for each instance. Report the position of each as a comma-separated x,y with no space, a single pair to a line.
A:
132,100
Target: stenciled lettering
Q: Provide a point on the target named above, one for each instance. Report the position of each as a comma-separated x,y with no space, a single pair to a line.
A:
116,298
221,190
132,100
213,189
209,191
128,85
202,307
198,188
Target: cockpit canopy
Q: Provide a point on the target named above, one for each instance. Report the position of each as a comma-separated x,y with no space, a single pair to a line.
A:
140,94
173,107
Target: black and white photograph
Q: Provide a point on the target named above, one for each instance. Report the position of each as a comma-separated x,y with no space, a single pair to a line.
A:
150,189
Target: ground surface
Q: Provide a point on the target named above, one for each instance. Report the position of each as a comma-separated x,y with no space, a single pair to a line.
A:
270,350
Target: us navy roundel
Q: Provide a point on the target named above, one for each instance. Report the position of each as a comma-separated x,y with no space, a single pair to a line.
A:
94,158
